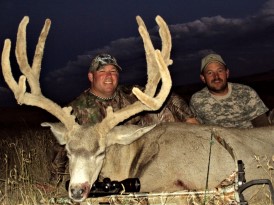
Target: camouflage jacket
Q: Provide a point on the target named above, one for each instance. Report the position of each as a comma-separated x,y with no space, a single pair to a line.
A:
236,109
90,109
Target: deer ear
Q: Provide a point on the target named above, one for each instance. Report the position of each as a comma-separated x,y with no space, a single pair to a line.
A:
59,131
126,134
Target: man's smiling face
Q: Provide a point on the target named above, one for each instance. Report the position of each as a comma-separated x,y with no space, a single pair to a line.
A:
104,81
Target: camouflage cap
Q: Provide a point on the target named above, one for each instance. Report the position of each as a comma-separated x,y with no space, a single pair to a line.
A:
102,60
211,58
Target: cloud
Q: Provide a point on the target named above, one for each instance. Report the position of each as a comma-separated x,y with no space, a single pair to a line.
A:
267,9
246,44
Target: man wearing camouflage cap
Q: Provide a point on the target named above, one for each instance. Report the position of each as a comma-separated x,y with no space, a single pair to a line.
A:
90,107
224,103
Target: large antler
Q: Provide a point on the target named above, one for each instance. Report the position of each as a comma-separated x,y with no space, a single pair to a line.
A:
32,74
157,63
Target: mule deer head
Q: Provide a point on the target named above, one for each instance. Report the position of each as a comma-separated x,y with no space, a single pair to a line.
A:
85,165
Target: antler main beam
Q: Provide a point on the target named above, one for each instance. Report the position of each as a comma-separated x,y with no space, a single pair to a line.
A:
32,74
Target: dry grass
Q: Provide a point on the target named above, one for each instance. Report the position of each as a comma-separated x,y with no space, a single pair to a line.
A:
266,164
24,167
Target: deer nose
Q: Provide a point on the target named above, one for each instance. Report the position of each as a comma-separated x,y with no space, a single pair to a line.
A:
77,193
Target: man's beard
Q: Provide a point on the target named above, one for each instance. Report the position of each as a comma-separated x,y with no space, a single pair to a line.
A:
220,89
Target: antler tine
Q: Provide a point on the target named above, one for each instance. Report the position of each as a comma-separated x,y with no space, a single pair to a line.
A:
166,40
32,74
6,68
147,101
166,49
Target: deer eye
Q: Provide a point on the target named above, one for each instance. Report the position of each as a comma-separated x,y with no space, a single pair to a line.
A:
100,154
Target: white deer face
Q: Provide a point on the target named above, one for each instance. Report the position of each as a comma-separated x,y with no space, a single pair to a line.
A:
86,153
85,163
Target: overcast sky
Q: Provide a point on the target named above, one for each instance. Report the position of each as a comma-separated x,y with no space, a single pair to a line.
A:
242,31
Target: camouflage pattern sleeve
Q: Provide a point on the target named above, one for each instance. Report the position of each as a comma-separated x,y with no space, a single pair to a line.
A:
175,109
254,105
197,100
179,107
